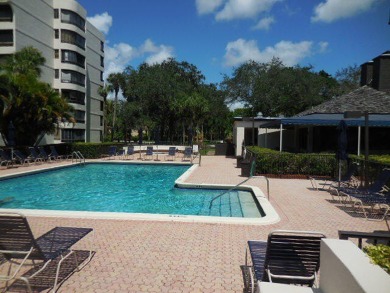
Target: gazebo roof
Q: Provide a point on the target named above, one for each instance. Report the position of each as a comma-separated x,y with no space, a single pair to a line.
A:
364,98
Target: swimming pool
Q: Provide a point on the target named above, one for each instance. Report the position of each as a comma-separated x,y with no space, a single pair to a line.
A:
126,188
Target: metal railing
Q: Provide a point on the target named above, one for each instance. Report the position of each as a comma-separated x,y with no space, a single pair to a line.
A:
78,156
374,236
252,171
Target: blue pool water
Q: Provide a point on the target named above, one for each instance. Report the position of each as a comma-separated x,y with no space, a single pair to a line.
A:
122,188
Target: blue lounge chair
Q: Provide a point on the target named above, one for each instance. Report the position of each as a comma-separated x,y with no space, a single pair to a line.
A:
130,152
187,155
290,257
34,155
378,187
55,154
44,155
149,153
112,152
5,159
18,245
21,158
171,153
121,153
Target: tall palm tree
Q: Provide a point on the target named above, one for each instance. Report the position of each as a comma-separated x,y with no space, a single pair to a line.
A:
115,82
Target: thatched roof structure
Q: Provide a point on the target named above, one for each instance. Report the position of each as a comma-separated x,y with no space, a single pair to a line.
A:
364,98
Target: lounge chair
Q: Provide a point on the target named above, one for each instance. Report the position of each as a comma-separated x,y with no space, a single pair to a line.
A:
112,152
44,155
378,187
130,152
34,155
121,154
21,158
6,159
348,180
149,153
17,244
55,154
171,154
187,155
290,257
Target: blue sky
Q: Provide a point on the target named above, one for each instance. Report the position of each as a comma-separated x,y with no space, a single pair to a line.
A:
218,35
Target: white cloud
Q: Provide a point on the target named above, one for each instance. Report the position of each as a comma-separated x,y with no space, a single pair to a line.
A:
207,6
290,53
158,53
236,9
323,46
102,22
332,10
118,56
264,23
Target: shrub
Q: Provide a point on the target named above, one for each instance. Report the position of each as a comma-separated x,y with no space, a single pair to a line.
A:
94,150
380,255
273,162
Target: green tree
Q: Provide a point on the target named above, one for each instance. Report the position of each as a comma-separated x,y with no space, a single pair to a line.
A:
115,83
33,106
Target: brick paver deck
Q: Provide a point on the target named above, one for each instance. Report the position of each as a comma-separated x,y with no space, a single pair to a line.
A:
163,256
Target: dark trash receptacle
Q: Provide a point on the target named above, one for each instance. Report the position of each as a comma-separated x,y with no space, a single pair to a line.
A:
220,149
246,168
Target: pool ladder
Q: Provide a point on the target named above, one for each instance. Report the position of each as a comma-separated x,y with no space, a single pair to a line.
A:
253,168
78,156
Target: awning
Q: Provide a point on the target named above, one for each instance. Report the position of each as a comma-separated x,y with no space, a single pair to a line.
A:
374,120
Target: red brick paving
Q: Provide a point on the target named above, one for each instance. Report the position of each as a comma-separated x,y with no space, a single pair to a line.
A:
158,256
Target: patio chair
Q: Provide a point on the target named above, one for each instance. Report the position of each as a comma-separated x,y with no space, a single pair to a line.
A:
187,155
34,155
6,159
56,155
21,158
378,187
348,180
44,155
149,153
371,204
130,152
290,257
112,152
121,153
18,245
171,153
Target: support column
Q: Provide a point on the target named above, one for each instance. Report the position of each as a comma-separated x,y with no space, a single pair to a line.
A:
281,138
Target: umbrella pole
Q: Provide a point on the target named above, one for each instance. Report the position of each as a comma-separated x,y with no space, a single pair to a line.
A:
339,172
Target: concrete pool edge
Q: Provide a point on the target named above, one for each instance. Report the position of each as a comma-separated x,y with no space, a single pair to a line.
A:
270,218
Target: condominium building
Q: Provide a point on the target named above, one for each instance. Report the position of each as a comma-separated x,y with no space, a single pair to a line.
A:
74,53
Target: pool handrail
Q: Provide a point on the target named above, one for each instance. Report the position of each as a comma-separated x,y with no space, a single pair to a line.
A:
79,156
234,187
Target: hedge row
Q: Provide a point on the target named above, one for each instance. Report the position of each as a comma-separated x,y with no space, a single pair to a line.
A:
94,150
273,162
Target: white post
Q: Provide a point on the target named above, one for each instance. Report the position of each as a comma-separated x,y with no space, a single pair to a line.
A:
281,137
359,139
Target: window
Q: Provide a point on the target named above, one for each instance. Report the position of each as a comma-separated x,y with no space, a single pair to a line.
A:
101,61
101,120
6,38
68,56
79,116
56,54
56,34
74,97
72,38
56,73
101,76
70,76
56,14
6,14
102,46
101,106
71,135
71,17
